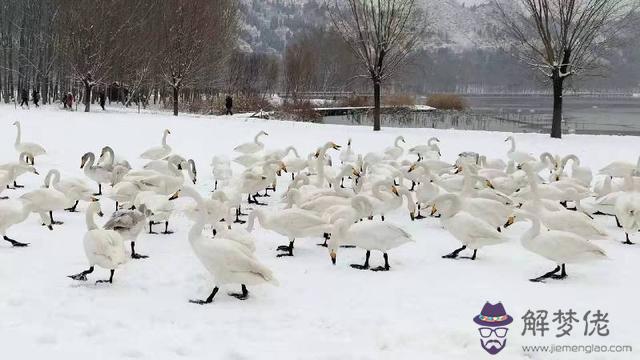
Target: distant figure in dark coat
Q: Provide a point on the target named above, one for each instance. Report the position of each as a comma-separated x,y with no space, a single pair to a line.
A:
102,99
70,101
228,103
64,100
35,95
25,98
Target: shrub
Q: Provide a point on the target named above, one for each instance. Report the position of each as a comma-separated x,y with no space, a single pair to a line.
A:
302,110
447,102
398,100
356,101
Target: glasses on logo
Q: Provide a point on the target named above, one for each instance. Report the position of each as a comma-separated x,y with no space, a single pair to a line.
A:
499,332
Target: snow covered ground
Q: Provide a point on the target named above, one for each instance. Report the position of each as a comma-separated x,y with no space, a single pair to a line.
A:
421,309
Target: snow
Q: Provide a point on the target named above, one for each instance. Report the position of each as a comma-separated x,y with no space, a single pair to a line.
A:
422,308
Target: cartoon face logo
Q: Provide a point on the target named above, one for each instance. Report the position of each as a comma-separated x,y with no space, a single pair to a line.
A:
493,321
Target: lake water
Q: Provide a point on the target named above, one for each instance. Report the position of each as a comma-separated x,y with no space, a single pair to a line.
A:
582,115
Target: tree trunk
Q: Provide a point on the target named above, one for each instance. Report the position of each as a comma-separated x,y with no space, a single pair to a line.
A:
176,91
87,97
376,105
556,125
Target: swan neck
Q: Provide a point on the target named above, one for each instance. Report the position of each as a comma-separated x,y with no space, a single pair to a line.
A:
513,144
533,231
164,138
19,135
90,218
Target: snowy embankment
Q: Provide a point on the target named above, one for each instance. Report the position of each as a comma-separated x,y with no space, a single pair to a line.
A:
422,308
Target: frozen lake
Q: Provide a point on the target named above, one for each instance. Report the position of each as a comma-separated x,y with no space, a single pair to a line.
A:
586,115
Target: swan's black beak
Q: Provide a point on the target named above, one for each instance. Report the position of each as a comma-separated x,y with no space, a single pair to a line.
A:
195,180
175,196
413,167
434,210
509,222
100,213
413,216
333,256
36,172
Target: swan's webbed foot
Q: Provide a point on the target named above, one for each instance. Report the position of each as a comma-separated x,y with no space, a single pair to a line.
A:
326,236
244,295
139,256
16,186
348,246
472,257
420,216
73,208
81,276
109,280
628,241
15,243
547,275
386,266
288,250
99,193
151,223
209,300
4,198
454,254
238,221
366,262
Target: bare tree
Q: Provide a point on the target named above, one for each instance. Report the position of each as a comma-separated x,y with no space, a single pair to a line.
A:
564,38
381,34
194,38
94,37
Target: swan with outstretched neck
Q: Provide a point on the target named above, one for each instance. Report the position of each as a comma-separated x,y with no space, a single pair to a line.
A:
30,148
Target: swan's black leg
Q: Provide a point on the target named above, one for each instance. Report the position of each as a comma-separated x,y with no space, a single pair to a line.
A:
257,202
455,253
386,266
134,254
14,242
563,274
166,229
117,206
73,208
628,242
16,186
110,281
52,221
547,275
366,262
618,222
151,223
420,216
237,220
240,211
499,229
209,299
241,296
99,190
4,198
81,276
382,217
266,193
413,186
215,185
473,257
288,249
326,238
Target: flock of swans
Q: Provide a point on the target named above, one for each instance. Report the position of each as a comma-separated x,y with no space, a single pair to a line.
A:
475,200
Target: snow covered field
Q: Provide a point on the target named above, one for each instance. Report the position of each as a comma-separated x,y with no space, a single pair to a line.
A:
421,309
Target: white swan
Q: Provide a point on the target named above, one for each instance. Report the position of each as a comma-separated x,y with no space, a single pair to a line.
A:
347,155
519,157
74,189
562,219
19,168
221,170
129,224
96,173
159,208
46,200
227,260
8,177
32,149
13,212
110,161
396,151
292,223
627,210
158,152
558,246
368,235
251,147
466,228
104,248
582,174
429,151
620,168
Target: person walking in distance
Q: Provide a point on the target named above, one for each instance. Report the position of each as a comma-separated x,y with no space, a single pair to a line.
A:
35,95
24,95
102,99
228,103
